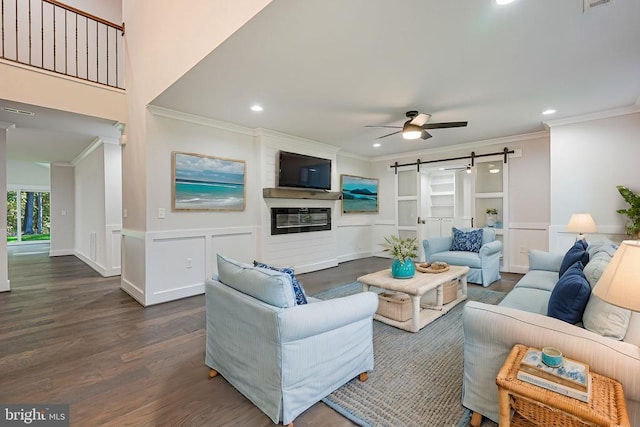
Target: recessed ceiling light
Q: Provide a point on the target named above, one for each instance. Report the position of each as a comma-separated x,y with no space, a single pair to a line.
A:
377,145
503,2
549,111
256,107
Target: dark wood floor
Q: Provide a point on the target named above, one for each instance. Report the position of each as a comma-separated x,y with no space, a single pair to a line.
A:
68,335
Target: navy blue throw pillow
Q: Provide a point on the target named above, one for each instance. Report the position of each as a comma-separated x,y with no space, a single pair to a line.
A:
469,241
577,252
301,298
570,295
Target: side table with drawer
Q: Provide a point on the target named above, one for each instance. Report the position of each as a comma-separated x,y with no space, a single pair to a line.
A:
536,406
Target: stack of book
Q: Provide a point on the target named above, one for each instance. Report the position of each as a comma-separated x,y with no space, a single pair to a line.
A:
571,378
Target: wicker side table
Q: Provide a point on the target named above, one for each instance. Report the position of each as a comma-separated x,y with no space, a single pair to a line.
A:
536,406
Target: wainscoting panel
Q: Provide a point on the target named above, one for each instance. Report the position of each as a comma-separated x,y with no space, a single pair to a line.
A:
175,264
522,239
240,246
354,240
132,279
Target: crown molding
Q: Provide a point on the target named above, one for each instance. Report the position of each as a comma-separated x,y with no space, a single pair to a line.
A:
593,116
62,164
466,146
7,125
97,142
200,120
293,140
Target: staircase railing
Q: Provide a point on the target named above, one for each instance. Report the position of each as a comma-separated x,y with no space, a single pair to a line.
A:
53,36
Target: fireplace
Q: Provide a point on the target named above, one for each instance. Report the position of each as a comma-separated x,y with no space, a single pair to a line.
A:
299,220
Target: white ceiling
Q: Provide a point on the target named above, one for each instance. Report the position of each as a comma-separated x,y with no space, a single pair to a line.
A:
323,69
51,135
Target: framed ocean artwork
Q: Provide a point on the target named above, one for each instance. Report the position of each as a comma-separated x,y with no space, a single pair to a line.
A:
202,182
359,195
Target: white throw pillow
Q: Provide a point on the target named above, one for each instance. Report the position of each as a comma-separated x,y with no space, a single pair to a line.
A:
600,316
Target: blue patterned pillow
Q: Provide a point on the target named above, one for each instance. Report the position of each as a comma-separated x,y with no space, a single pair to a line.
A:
469,241
301,298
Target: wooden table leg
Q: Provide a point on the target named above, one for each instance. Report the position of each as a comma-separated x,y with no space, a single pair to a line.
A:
476,419
504,408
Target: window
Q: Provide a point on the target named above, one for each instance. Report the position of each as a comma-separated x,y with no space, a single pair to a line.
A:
28,216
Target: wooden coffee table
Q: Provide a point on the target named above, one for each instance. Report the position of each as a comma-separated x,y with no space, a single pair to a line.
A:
416,288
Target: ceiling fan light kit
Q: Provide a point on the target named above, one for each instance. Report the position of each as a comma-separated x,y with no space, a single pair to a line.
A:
416,126
411,131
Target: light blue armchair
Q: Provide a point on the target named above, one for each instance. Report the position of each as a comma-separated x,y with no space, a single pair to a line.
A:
484,265
281,356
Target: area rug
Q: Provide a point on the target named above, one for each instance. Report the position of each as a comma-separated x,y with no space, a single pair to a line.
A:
417,378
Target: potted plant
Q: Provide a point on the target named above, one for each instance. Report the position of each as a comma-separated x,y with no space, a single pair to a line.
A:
633,212
402,250
491,220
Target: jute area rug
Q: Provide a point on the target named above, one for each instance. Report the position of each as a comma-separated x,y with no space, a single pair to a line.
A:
417,378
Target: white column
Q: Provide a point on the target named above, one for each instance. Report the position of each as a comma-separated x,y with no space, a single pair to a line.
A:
4,265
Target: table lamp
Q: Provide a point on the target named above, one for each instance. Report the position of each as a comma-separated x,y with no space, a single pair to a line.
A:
581,223
620,283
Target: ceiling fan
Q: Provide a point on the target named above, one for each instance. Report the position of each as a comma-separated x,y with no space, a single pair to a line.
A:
416,127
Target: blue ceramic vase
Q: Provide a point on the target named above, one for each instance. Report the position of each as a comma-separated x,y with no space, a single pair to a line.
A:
403,270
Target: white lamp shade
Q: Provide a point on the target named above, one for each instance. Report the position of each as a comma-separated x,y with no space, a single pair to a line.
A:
620,283
581,223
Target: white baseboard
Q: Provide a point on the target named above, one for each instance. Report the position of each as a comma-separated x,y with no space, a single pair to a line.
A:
104,272
135,292
521,269
61,252
174,294
306,268
5,286
355,255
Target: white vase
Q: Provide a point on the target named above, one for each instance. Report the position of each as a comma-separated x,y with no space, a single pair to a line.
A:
490,220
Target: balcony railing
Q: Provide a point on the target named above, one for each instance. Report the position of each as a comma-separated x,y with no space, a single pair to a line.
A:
52,36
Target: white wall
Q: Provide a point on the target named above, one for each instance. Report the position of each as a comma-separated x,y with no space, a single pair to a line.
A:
179,250
62,210
90,208
528,191
589,157
186,34
529,205
304,251
27,174
4,267
354,231
97,201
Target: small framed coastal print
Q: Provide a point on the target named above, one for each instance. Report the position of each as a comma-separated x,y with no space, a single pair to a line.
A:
359,195
202,182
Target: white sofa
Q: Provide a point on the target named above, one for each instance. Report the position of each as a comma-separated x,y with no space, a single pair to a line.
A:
491,331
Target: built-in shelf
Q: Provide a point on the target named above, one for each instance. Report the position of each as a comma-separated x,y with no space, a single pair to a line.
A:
288,193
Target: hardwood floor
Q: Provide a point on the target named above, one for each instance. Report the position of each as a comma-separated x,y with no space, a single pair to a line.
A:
69,335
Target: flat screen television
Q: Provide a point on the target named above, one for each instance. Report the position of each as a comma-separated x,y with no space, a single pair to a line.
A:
301,171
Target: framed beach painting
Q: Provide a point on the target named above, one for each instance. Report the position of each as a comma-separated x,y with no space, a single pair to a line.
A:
202,182
359,195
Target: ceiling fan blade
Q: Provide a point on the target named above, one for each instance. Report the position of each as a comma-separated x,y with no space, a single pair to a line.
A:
420,119
391,127
444,125
425,135
392,133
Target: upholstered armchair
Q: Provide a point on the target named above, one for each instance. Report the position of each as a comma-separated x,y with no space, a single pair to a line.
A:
484,265
283,357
